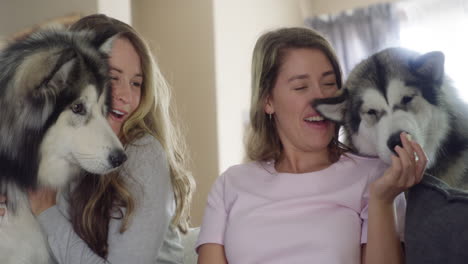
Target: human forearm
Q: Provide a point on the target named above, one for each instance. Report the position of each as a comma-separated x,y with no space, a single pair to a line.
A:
42,199
406,170
383,241
65,244
142,241
211,254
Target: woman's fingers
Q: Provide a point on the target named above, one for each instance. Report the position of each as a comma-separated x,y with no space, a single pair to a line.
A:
413,160
407,146
396,167
412,173
421,163
407,167
417,162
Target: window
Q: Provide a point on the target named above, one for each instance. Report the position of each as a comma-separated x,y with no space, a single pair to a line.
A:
439,25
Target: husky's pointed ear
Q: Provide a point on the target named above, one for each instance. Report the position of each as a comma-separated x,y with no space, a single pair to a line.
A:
106,47
333,108
429,65
59,78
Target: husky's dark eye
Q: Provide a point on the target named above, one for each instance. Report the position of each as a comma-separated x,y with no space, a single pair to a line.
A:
372,112
406,100
78,108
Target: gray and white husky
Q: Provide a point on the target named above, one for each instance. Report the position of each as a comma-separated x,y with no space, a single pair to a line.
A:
399,90
54,98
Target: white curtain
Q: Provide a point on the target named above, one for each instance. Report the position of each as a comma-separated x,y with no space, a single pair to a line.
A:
356,34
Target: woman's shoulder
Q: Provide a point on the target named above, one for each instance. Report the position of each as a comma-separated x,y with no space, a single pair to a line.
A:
146,144
247,166
145,156
241,176
245,170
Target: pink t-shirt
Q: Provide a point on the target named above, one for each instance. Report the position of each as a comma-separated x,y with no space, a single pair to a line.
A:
262,216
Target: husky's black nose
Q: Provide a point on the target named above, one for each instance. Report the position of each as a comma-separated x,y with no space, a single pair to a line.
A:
117,157
394,140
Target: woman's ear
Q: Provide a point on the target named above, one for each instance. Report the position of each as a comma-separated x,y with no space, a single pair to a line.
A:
268,108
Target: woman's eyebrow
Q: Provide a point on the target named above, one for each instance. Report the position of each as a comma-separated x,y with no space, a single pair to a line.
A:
120,71
299,77
116,69
328,73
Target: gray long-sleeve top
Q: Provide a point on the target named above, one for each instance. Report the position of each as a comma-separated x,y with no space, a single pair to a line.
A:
149,239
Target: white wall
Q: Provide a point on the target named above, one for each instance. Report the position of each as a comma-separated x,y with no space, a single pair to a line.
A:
237,26
16,15
181,36
119,9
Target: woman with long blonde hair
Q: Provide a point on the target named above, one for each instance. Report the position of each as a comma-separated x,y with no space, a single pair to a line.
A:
136,214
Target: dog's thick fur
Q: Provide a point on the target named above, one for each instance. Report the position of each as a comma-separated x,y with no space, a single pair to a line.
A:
54,98
399,90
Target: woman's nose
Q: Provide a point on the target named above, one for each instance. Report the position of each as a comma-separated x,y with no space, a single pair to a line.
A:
121,92
317,91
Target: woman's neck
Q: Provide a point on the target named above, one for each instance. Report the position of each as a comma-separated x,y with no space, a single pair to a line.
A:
303,162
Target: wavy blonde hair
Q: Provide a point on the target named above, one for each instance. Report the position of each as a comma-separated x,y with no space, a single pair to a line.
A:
155,116
262,139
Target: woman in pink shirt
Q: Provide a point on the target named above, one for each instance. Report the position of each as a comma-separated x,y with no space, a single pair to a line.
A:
304,198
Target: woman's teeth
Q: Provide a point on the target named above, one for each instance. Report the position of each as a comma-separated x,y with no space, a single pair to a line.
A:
117,113
314,119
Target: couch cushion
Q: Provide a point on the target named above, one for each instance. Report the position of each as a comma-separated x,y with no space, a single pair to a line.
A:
436,224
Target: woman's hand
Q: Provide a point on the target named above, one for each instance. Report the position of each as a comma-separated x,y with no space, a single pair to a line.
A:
42,199
383,240
406,170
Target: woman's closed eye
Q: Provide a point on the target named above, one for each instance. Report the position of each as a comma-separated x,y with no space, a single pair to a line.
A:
300,88
136,84
115,80
328,81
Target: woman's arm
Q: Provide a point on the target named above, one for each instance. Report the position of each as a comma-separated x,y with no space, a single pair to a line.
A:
140,243
383,243
211,254
42,199
363,253
155,206
65,244
210,242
